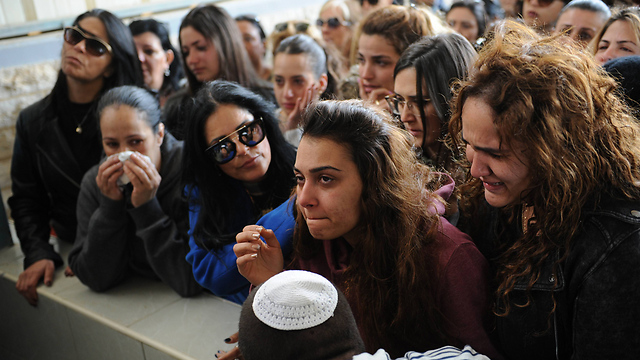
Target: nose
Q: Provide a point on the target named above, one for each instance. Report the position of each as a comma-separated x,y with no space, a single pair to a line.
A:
305,195
241,149
479,166
288,92
141,56
407,116
608,55
81,46
366,72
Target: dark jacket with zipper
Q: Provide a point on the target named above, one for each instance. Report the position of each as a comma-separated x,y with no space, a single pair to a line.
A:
596,291
45,180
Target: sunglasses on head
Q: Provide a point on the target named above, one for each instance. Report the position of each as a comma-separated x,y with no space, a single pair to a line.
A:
94,45
298,26
333,22
224,150
543,3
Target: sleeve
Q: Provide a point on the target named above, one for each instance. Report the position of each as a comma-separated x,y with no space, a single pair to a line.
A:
30,206
217,270
100,256
606,312
464,298
165,245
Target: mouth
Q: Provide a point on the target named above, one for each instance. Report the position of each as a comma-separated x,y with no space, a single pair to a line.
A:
250,162
369,88
288,106
492,185
532,15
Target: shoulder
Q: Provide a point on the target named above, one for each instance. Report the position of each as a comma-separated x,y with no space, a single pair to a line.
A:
455,248
33,113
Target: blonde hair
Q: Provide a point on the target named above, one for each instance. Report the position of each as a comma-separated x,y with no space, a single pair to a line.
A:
630,15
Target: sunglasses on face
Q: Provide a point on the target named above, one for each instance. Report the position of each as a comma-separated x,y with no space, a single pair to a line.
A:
398,105
333,22
95,46
299,26
224,150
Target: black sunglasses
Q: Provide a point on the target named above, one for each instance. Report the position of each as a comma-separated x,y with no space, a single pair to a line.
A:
94,45
299,26
224,150
333,22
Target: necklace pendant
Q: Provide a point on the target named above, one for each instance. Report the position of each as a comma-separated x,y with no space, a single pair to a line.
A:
79,130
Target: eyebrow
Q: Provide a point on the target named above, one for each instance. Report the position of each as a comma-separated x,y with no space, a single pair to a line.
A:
238,127
319,169
484,149
88,32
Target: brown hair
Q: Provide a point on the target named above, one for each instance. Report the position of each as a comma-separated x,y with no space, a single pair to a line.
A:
390,278
631,15
581,142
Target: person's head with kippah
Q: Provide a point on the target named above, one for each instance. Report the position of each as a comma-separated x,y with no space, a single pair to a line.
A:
298,315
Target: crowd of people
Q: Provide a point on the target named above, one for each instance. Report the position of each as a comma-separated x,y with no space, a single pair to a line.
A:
434,180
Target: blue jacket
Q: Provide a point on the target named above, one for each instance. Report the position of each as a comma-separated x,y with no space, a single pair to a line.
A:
216,270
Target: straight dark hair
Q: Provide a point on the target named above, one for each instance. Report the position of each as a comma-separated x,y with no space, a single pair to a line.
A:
124,59
137,98
220,196
171,83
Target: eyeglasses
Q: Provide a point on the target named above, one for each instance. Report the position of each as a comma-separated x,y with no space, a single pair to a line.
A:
398,105
94,45
543,3
300,27
224,150
333,22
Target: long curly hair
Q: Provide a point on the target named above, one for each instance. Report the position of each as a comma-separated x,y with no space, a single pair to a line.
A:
391,276
581,142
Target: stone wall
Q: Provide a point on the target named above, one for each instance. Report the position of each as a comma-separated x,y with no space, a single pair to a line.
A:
20,86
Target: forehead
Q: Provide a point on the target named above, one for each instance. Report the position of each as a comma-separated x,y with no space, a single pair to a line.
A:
405,83
620,30
95,27
147,38
247,27
225,120
375,45
579,17
291,64
189,34
461,12
121,117
316,152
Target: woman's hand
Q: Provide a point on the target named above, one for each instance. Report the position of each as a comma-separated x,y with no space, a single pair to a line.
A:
144,177
375,98
108,174
295,116
233,354
258,261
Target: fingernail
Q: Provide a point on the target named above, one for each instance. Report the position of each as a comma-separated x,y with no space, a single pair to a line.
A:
216,355
259,228
48,283
255,236
255,247
254,255
227,340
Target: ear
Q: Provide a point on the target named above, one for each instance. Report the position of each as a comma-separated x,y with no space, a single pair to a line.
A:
108,72
323,81
160,134
170,56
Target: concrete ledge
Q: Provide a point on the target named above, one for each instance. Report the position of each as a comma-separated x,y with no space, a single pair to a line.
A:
140,319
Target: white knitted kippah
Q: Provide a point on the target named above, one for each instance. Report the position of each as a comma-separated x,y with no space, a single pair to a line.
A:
295,300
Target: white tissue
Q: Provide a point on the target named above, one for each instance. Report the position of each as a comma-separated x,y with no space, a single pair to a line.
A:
124,156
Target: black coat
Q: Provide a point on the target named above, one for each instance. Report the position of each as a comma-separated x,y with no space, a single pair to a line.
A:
597,292
45,180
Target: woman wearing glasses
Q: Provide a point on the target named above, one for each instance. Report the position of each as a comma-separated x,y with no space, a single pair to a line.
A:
237,166
132,218
57,140
212,48
336,21
423,78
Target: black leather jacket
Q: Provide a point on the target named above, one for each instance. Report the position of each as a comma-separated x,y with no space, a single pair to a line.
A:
597,294
45,181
